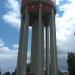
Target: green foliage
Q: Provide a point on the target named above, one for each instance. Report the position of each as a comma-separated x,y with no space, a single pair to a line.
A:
7,73
71,63
0,70
14,73
60,73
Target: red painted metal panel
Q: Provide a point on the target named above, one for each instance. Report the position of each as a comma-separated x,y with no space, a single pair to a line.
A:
23,2
35,7
23,7
46,8
54,1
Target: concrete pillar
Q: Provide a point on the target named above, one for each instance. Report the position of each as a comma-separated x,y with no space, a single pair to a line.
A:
41,40
47,50
53,50
23,45
37,52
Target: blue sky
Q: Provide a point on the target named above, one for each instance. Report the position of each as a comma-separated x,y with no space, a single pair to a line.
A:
10,28
6,31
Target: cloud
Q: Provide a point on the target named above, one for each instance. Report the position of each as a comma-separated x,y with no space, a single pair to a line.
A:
58,2
1,43
15,46
65,26
28,56
8,57
12,16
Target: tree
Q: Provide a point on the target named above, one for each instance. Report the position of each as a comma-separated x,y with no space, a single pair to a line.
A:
59,72
0,70
71,63
7,73
13,73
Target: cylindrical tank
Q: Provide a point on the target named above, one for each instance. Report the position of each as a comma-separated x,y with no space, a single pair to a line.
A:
47,6
33,5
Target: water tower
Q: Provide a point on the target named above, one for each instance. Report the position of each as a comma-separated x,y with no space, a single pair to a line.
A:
39,14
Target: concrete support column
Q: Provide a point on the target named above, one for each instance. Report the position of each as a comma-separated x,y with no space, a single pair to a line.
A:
53,50
35,49
47,50
23,45
37,52
41,41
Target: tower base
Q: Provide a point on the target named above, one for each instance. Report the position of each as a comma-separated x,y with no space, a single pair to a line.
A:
30,73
